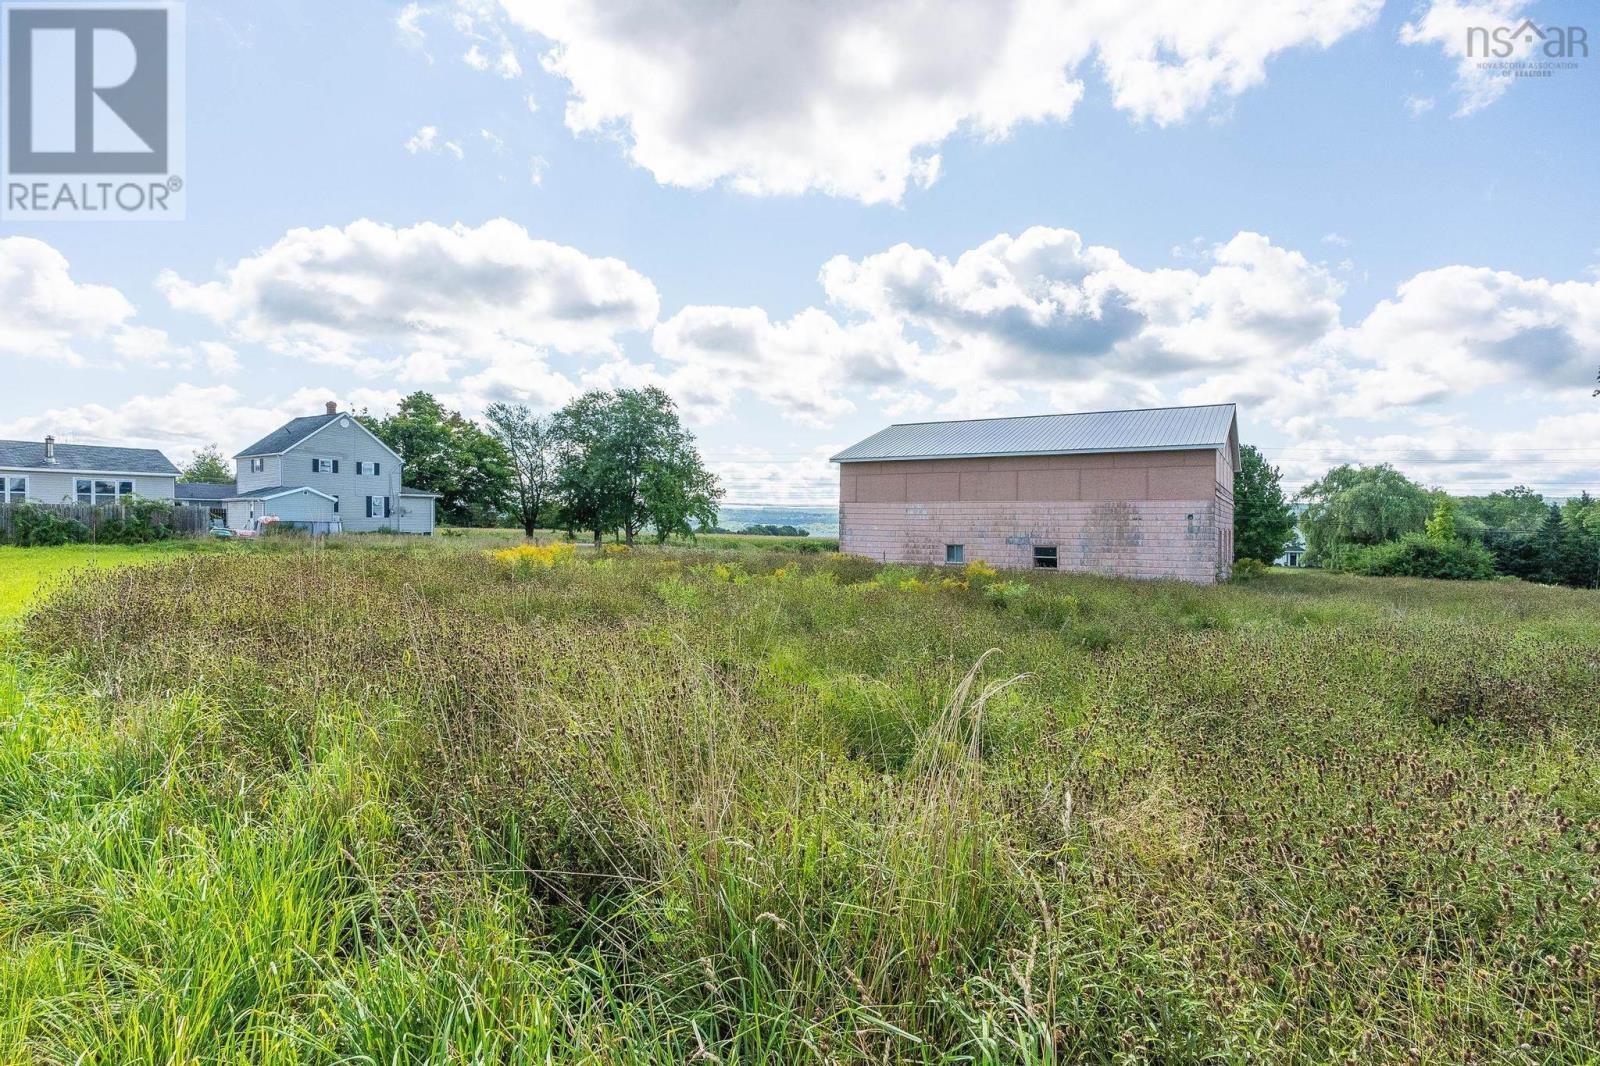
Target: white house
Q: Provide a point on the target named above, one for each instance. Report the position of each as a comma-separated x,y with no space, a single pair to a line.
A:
47,472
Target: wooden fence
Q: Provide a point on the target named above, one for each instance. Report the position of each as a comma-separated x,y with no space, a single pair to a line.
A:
183,520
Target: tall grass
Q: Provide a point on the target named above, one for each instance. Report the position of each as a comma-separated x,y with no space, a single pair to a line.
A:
408,803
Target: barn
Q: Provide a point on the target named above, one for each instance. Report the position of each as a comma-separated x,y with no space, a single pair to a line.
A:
1141,493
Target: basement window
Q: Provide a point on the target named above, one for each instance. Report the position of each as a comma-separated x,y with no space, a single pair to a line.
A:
955,553
1044,558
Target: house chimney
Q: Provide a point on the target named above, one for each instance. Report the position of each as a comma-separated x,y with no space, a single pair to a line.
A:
333,408
50,450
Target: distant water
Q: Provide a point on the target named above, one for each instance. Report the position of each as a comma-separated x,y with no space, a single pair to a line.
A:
818,521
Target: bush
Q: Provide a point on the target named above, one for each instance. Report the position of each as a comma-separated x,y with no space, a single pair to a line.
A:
1249,569
1006,593
39,527
143,521
1418,555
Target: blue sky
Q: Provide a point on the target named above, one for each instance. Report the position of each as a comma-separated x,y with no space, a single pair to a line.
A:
806,221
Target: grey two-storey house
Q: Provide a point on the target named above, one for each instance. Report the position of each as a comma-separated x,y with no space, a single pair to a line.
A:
328,473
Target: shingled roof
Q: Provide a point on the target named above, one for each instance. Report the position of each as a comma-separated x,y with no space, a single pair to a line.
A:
84,458
1153,429
289,434
204,490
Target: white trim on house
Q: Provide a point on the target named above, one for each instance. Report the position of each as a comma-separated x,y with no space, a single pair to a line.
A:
354,421
282,492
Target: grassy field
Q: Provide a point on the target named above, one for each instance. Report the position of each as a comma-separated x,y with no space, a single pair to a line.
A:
387,801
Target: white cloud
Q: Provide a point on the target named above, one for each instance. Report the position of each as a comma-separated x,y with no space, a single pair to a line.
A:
426,141
806,367
1459,328
495,142
1554,454
755,475
426,302
44,313
477,20
1445,24
219,358
188,417
1419,105
536,168
1046,310
854,99
1043,321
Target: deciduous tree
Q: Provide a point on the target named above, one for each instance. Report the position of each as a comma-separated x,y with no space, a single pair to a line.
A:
530,444
208,467
625,463
1263,521
1361,505
448,454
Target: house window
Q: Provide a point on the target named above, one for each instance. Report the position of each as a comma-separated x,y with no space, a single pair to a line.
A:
85,490
124,488
955,553
16,489
258,466
1044,557
324,466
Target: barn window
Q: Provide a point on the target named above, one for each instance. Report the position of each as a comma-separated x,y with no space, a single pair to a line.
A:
1044,557
955,553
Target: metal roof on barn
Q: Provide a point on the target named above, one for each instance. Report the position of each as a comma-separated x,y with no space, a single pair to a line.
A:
1147,430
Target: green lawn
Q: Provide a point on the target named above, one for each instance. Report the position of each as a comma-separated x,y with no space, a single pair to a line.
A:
387,800
25,572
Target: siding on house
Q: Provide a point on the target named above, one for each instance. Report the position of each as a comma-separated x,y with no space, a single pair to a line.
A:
271,473
1143,512
415,514
59,486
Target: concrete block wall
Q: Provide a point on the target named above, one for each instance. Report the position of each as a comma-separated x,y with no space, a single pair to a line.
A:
1131,514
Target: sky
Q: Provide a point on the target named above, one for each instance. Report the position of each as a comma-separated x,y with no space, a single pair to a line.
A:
808,220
